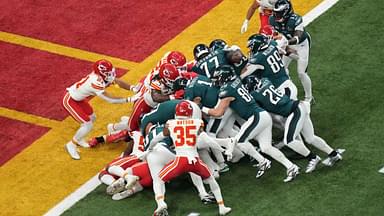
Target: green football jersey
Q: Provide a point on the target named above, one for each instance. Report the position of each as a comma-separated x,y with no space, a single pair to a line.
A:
271,64
167,141
207,65
240,66
288,27
160,115
244,104
202,87
272,100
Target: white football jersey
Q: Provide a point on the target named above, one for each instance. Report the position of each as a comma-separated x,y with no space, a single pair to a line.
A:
184,133
91,85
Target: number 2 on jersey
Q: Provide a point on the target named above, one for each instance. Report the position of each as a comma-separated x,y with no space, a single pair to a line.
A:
185,135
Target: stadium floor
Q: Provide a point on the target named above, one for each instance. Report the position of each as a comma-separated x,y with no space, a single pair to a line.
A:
42,174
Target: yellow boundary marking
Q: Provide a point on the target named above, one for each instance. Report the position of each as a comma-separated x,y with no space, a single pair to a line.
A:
63,50
29,118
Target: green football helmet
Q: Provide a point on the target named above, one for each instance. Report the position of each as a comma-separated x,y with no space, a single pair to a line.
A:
223,74
217,44
257,42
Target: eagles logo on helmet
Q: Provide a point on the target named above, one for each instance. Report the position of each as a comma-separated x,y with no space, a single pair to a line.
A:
199,51
183,109
217,44
105,69
257,42
223,74
282,10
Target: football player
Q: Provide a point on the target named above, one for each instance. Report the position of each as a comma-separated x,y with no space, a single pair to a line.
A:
265,7
298,120
265,61
184,131
258,123
285,21
76,102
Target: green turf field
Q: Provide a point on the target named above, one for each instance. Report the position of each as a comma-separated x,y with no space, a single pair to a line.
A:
346,70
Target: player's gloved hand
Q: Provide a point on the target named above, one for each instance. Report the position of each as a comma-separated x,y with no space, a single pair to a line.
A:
180,83
136,88
244,27
132,99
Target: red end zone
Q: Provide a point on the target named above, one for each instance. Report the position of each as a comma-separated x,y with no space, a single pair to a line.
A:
126,29
12,141
35,81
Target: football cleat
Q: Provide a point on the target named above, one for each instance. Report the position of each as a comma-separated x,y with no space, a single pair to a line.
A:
161,211
292,173
83,144
122,195
110,128
116,187
72,150
312,164
330,161
131,181
224,210
262,167
208,199
115,137
223,168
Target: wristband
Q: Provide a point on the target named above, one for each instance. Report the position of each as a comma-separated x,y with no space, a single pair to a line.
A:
205,110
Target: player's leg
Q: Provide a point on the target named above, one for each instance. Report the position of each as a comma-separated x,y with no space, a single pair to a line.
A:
202,170
140,108
286,61
289,88
115,127
302,66
206,157
293,127
198,183
263,134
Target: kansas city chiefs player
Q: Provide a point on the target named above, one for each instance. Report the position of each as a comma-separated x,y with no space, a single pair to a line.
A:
265,7
77,96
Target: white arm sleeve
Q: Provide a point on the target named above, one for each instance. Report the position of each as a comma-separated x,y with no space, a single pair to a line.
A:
113,100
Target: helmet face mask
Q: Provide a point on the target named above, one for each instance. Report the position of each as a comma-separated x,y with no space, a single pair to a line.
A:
168,74
105,69
251,83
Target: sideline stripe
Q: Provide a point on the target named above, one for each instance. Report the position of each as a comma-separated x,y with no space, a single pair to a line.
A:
68,202
29,118
63,50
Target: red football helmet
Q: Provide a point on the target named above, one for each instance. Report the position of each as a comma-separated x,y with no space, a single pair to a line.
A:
184,110
168,74
268,31
176,58
105,69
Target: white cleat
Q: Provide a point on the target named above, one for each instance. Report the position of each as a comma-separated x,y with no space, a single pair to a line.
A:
161,211
292,173
110,128
131,181
223,168
224,210
312,164
72,150
330,161
262,167
116,187
122,195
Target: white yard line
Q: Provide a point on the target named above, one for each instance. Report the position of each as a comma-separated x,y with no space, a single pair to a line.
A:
90,185
381,170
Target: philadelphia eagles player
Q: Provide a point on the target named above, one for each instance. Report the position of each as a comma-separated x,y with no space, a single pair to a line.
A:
285,21
265,61
298,120
258,123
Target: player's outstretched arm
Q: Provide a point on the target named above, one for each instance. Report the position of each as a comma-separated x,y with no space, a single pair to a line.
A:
115,100
220,109
122,84
250,12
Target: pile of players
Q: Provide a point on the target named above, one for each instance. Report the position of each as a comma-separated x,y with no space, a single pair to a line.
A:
195,117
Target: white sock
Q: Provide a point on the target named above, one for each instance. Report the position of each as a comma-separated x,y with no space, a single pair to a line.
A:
299,147
215,188
107,179
116,170
198,182
319,143
82,132
248,149
277,155
307,84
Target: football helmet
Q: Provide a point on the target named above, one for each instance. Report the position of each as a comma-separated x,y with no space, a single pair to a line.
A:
183,110
105,69
282,10
176,58
251,83
200,51
223,74
217,44
257,42
168,74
